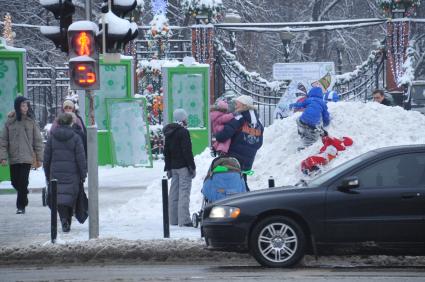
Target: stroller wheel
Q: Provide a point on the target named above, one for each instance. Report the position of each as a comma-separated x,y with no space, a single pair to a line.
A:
195,220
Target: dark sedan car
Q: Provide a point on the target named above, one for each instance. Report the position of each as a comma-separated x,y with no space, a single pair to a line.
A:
378,197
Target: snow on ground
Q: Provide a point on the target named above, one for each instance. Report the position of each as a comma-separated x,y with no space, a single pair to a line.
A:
370,125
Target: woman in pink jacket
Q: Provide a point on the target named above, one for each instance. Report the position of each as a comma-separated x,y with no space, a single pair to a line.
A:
219,116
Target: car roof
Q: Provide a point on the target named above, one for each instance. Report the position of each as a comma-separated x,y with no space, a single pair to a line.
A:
401,148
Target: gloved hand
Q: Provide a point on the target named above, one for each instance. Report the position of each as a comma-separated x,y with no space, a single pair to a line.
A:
169,174
192,172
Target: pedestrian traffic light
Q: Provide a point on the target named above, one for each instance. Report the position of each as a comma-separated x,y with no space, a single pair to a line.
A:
118,31
83,56
118,7
63,11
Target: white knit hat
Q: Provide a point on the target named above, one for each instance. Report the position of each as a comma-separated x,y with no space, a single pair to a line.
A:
246,100
68,103
179,115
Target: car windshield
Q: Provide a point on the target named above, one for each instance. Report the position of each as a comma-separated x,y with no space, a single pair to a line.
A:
319,180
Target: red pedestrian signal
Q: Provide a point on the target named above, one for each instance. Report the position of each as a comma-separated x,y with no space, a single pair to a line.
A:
83,56
83,43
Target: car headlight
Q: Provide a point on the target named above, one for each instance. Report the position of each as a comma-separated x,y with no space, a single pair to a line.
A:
224,212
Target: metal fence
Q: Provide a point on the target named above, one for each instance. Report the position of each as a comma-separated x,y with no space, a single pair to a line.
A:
47,88
178,49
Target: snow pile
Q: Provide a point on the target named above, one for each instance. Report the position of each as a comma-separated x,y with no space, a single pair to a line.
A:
370,125
169,251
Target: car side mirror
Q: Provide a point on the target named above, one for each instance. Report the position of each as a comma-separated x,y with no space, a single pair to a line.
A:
349,183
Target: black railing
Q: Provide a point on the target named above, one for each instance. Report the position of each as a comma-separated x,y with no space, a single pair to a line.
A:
47,88
361,87
177,49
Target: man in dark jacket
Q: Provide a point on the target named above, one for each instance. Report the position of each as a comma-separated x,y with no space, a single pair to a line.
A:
378,96
314,115
65,160
180,167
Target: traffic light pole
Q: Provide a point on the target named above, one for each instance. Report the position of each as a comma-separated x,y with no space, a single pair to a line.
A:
88,10
92,170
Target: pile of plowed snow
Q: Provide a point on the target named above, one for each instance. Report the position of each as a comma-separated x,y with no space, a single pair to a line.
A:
370,125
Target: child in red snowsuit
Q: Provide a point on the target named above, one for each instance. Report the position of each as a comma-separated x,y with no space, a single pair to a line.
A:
219,116
329,151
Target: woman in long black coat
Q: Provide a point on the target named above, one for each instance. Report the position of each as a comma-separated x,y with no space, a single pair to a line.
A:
65,161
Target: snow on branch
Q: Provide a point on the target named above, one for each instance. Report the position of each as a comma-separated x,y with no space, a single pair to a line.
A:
361,69
408,66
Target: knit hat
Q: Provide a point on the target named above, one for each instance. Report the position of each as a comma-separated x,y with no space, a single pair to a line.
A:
246,100
180,115
68,103
325,81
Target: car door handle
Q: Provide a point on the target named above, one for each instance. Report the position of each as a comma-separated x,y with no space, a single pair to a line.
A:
410,195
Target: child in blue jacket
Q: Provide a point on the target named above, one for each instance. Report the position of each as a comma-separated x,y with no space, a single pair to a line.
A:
314,115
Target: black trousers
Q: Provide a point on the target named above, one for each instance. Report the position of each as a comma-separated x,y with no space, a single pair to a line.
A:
20,174
65,212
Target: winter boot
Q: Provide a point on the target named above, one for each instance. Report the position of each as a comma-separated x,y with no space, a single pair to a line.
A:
65,225
20,211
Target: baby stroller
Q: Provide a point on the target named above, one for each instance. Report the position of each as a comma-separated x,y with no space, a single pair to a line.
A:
224,178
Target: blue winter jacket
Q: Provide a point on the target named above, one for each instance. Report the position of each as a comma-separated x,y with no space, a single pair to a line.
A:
315,108
245,140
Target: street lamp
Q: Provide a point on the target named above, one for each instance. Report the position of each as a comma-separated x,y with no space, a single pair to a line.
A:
339,47
232,16
286,38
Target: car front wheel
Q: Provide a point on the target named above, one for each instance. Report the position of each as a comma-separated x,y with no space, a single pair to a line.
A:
277,241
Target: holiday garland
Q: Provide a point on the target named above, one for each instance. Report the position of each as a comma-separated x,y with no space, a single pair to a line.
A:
408,5
7,29
150,86
398,4
211,8
158,35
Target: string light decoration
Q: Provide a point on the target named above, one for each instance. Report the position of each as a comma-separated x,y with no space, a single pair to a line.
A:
8,34
397,41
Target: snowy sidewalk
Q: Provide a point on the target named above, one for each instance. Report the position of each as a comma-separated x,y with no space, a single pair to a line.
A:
109,177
